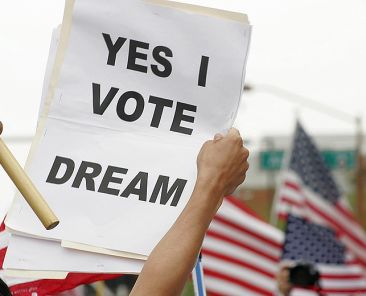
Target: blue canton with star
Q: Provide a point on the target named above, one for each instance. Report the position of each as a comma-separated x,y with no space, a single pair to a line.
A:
308,163
312,243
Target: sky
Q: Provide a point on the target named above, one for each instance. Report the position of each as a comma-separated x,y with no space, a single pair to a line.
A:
312,48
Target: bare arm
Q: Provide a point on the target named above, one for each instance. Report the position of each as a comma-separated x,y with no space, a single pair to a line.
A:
222,164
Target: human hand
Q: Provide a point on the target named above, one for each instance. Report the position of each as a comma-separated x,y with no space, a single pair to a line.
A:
222,163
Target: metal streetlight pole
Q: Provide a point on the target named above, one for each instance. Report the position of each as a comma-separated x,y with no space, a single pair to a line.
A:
360,173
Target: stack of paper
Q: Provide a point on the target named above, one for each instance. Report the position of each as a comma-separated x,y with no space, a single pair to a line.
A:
132,90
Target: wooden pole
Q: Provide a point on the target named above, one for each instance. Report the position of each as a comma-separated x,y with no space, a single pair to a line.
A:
26,187
99,288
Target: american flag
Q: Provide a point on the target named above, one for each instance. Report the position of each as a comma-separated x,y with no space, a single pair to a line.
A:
240,253
321,228
42,287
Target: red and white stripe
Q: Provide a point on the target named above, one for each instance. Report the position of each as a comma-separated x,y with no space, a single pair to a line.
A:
346,279
240,253
299,200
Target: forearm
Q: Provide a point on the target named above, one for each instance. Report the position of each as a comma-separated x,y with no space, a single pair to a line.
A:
183,240
221,167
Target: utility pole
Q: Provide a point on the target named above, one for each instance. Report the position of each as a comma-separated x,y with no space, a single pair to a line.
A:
360,180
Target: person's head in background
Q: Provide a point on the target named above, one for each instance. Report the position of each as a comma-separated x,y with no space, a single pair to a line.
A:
4,290
283,280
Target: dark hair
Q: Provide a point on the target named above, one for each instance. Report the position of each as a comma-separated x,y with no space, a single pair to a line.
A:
4,290
304,275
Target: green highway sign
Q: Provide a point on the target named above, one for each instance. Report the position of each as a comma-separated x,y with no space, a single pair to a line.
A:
345,159
271,160
340,159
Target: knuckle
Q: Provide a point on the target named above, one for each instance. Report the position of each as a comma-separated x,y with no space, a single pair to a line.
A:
243,178
246,153
207,143
240,140
237,140
233,130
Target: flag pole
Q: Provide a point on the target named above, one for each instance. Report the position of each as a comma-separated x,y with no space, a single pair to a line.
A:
284,166
198,278
26,187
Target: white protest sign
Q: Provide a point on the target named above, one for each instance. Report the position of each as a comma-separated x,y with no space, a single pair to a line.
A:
141,88
27,256
49,69
26,253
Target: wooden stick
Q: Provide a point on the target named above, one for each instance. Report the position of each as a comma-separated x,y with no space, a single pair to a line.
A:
99,288
26,187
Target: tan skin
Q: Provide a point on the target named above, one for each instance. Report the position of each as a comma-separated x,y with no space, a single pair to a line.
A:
283,282
222,165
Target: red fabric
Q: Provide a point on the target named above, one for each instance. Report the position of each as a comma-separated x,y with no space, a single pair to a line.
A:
51,287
